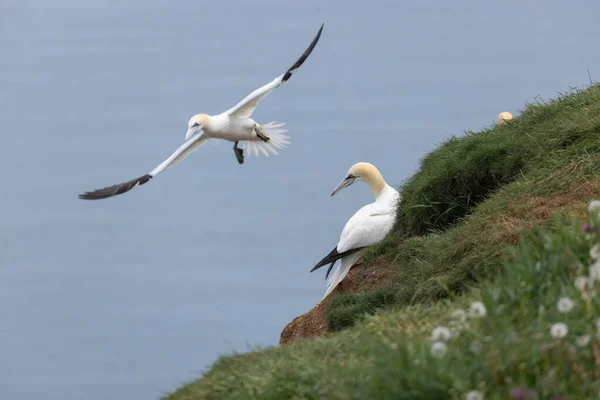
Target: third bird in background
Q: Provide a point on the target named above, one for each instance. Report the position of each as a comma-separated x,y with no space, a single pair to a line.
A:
503,117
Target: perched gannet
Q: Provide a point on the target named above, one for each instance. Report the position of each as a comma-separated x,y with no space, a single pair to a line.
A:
368,226
235,125
503,117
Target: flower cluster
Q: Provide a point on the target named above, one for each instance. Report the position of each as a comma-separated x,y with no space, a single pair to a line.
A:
442,334
578,298
584,283
592,231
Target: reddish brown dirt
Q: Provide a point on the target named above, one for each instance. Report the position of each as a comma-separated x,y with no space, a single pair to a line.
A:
527,213
362,277
524,214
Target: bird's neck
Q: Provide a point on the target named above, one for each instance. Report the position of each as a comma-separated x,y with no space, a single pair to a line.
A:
376,183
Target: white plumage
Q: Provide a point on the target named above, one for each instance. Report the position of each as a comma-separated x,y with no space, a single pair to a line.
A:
368,226
235,125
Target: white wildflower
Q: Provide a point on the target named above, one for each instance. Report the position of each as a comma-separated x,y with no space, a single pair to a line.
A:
477,310
581,283
474,395
439,349
538,266
594,206
565,305
475,347
559,330
441,333
582,341
594,272
595,252
459,314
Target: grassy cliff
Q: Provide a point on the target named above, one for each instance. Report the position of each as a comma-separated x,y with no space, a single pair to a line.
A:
491,223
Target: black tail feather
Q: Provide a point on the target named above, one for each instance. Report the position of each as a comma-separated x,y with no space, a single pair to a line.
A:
332,257
329,269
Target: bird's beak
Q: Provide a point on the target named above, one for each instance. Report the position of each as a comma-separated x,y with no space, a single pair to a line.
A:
192,131
349,180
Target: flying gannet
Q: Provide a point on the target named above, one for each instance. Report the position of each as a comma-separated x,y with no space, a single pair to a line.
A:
235,125
368,226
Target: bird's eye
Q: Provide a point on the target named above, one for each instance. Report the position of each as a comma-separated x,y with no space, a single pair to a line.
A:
350,176
195,125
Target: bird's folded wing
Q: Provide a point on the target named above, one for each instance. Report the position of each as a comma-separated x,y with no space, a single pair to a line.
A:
365,231
245,108
183,151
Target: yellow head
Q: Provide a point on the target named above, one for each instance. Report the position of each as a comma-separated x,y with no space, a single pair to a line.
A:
503,117
366,172
196,124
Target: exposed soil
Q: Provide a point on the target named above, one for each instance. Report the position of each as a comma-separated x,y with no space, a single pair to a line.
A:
367,277
361,278
537,210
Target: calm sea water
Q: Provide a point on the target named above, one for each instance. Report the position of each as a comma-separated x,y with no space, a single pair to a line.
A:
132,296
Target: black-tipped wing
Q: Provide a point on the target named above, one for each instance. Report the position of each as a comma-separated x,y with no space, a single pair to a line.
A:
246,107
182,152
114,190
332,257
304,56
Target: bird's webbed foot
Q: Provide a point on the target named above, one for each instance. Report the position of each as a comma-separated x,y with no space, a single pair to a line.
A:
260,134
239,153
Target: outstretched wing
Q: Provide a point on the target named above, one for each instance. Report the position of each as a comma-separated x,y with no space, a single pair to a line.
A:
120,188
245,108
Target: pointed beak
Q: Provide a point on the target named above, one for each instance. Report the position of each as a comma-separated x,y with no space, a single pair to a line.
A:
344,184
192,131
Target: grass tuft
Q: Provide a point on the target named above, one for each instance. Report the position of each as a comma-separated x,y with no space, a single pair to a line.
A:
347,309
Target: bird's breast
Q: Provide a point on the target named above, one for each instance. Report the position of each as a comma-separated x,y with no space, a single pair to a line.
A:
228,128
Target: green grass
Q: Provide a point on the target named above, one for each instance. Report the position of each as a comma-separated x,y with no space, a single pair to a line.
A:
463,222
456,241
465,171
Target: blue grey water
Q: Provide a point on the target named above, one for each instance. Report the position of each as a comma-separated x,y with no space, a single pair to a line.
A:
131,297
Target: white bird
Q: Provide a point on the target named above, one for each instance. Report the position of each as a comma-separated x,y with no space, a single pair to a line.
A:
368,226
235,125
503,117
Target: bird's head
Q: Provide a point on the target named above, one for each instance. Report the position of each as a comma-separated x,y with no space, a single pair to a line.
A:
503,117
361,171
196,124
